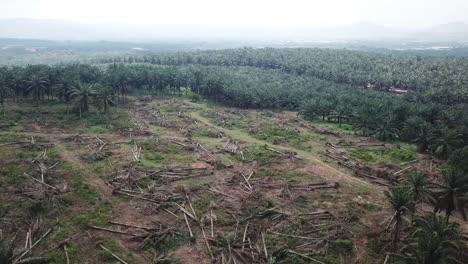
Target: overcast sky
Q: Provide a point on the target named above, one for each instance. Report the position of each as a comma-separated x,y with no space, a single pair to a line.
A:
409,14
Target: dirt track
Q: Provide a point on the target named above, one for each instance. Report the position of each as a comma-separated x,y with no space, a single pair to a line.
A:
334,172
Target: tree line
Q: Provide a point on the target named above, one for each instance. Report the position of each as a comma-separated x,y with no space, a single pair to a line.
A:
436,127
443,79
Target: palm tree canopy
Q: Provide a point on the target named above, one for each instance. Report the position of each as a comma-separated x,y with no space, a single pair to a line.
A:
418,186
452,192
434,241
81,95
104,99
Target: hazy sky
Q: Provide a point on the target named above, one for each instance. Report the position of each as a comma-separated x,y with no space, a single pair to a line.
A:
257,13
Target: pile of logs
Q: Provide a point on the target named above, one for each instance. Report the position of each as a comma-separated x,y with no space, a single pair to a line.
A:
159,198
359,168
31,144
136,151
234,147
76,139
195,145
128,178
324,131
40,189
24,255
284,154
314,186
149,236
178,173
138,122
158,118
319,215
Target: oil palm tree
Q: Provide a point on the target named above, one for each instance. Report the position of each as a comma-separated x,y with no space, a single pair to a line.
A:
459,159
340,113
5,92
36,85
444,141
422,138
452,193
104,99
309,109
401,203
434,241
364,123
81,95
410,127
418,187
386,128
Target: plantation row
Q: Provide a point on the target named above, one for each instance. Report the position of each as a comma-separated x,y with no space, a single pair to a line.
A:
445,78
439,128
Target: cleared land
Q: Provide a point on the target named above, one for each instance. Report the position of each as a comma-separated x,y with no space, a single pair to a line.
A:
173,181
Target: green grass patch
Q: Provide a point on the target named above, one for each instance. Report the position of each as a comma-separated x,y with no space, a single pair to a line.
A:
335,126
396,154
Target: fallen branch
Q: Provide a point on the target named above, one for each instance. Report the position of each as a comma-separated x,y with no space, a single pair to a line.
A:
401,171
301,237
313,187
276,151
245,234
138,197
188,226
206,241
178,143
113,231
186,212
264,246
32,246
247,181
66,254
136,152
129,225
114,255
41,182
305,256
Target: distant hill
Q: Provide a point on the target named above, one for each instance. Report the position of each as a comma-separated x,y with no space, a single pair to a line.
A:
47,29
453,31
63,30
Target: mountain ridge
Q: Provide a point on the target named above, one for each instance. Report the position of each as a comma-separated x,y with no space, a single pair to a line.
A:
65,30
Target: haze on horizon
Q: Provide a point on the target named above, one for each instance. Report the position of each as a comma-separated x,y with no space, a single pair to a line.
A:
241,20
401,14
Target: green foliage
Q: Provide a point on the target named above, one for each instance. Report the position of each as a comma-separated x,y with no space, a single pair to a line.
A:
81,95
402,204
278,135
418,186
387,155
434,240
451,193
261,154
104,99
362,154
400,155
459,159
316,82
